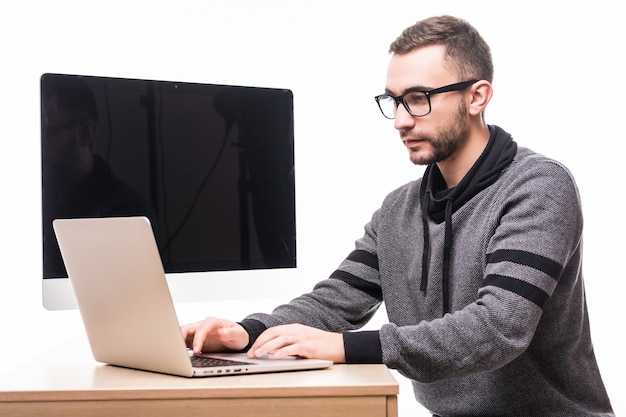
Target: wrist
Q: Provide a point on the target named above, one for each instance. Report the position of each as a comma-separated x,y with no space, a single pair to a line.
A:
254,328
362,347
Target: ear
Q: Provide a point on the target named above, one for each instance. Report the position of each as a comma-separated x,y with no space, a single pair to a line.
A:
87,133
481,94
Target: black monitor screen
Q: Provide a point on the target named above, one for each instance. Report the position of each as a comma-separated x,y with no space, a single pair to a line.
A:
211,166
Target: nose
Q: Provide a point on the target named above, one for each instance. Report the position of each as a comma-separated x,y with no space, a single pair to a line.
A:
404,120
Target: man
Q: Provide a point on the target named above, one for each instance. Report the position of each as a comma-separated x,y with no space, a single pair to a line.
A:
478,262
76,181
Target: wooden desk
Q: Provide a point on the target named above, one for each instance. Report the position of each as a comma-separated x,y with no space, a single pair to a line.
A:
68,382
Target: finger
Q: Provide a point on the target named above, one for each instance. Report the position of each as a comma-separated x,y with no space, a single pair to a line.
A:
274,344
291,349
203,333
259,347
185,332
272,347
230,336
274,332
218,335
188,338
188,331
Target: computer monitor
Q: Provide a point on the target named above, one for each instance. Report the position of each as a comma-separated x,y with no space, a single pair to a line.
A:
211,166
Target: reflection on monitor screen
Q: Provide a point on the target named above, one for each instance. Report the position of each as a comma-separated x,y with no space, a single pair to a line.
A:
211,166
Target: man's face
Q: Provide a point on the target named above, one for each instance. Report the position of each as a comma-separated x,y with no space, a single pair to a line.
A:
437,136
64,146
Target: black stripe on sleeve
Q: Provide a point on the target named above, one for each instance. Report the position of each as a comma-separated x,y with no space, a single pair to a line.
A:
358,283
541,263
365,258
521,288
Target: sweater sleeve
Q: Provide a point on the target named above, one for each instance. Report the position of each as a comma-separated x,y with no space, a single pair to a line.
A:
335,304
342,303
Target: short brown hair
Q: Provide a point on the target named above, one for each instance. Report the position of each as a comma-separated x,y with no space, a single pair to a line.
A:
74,94
466,50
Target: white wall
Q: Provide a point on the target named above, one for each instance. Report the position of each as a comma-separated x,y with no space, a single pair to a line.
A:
559,89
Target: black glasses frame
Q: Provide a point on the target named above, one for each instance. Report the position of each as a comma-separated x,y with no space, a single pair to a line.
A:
50,131
428,93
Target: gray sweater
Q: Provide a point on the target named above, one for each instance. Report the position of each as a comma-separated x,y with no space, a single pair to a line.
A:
506,333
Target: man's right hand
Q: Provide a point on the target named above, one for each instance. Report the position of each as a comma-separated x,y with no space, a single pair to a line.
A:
214,335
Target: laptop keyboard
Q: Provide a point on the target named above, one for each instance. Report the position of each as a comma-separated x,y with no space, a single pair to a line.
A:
207,361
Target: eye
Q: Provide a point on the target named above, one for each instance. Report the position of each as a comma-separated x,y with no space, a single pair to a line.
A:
416,98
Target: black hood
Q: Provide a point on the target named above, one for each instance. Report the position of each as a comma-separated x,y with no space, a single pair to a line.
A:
439,202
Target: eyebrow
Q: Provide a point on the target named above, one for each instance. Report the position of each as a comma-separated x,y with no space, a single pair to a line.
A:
409,90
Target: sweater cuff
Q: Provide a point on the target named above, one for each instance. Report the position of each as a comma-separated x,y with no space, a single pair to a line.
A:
363,347
254,329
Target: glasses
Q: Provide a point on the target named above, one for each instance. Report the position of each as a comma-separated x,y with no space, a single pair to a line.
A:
416,102
50,131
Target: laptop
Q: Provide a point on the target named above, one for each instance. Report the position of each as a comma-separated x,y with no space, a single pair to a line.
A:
116,272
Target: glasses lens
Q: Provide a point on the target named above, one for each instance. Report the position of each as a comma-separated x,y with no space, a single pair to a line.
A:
417,102
387,106
50,131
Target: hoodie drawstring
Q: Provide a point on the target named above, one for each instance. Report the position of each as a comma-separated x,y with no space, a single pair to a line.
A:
447,250
438,202
426,250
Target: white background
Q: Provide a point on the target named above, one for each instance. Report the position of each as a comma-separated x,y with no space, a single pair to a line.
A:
559,89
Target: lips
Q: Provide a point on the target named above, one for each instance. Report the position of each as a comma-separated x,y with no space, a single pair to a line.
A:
411,142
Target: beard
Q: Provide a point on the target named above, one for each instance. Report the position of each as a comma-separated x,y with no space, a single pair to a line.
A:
445,143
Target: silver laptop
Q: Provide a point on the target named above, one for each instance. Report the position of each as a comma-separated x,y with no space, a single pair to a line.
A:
122,294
